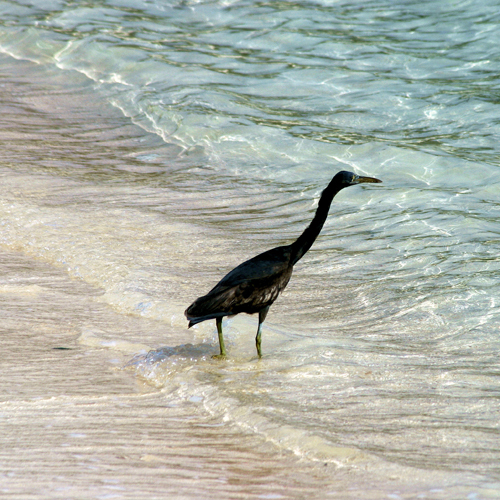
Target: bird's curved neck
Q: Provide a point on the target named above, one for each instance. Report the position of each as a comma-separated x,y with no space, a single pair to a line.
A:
307,238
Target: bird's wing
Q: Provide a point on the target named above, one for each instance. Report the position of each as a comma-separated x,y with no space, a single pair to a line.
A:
252,285
264,266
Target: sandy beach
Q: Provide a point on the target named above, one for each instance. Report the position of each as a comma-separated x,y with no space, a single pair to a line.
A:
74,423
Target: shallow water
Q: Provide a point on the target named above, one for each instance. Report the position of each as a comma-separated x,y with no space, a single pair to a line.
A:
151,147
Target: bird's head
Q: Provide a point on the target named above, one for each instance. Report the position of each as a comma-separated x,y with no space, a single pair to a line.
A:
345,179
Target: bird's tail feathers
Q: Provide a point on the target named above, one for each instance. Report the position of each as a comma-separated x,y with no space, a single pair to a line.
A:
210,306
199,319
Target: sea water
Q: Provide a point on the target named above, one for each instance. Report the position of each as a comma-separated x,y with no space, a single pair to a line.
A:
151,146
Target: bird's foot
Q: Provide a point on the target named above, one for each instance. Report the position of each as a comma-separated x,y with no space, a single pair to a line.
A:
219,356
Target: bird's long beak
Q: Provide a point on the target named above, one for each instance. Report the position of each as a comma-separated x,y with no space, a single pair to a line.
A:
359,179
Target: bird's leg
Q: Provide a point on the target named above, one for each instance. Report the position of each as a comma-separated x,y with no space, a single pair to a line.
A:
262,317
258,340
221,338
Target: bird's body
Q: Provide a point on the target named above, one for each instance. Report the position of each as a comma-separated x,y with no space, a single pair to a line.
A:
268,272
254,285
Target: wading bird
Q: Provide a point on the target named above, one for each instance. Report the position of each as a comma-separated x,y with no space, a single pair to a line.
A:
254,285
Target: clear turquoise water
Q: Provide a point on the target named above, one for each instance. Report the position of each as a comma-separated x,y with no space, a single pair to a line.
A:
170,141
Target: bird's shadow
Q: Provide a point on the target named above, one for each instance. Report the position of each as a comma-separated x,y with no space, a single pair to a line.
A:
157,365
185,351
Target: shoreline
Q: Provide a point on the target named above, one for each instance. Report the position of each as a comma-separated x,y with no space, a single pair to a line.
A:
73,422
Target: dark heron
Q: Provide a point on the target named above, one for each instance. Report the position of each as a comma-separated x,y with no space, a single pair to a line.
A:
253,286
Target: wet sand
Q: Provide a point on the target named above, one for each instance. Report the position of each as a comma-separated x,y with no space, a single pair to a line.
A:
73,422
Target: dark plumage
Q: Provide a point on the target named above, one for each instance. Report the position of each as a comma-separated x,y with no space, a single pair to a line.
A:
254,285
